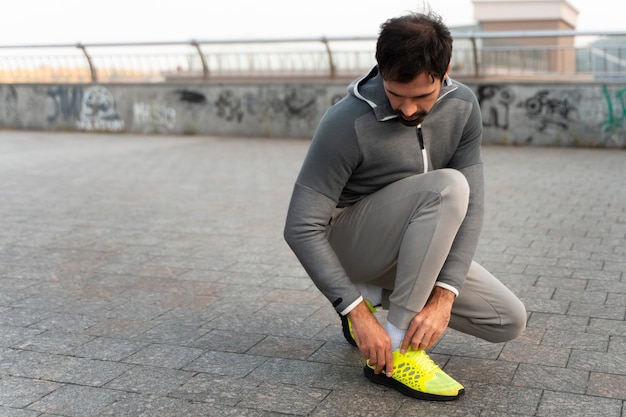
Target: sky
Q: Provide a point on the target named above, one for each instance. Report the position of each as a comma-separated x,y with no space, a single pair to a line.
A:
37,22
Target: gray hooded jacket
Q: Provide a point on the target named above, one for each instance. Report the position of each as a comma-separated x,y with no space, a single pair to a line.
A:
359,147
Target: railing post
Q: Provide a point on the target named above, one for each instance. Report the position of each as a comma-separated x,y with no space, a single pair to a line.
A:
92,68
205,67
331,64
475,53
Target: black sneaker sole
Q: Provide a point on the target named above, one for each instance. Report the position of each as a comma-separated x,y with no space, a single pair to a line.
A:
382,379
346,330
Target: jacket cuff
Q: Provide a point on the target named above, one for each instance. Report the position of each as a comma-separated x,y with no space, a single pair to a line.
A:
447,287
351,307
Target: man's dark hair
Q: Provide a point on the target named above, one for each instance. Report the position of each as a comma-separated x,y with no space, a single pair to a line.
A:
413,44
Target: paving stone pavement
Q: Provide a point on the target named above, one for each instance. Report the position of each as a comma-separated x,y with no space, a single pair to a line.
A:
147,276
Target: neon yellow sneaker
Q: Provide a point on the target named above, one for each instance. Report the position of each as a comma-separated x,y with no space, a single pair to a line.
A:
416,375
346,326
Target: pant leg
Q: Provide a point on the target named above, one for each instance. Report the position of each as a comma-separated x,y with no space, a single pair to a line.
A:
408,226
487,309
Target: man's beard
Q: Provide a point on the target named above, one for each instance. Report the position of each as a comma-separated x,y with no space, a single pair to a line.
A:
419,118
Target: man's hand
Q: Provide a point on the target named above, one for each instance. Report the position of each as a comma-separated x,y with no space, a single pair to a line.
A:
429,324
372,339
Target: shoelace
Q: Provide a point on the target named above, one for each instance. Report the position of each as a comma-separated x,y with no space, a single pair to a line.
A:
425,362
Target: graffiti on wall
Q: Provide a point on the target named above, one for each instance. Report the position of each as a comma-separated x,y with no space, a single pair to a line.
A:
537,115
615,123
546,110
228,106
92,109
298,103
66,102
97,111
292,109
154,117
191,97
495,103
292,105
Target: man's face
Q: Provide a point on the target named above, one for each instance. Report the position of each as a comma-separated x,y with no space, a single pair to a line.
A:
413,100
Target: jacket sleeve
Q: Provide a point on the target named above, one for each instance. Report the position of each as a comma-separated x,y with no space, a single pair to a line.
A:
307,217
330,161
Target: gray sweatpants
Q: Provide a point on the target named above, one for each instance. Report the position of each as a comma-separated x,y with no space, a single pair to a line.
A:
399,238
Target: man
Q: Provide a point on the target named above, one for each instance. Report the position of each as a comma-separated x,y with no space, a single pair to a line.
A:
388,207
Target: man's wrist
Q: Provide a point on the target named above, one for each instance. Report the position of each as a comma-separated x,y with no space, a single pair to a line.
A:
442,295
360,310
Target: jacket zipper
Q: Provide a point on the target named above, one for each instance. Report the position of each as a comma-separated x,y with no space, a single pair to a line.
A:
420,136
420,139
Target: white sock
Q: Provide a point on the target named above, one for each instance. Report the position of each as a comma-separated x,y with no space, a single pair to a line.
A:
396,335
371,293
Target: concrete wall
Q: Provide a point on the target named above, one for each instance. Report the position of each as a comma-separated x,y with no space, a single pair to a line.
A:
568,114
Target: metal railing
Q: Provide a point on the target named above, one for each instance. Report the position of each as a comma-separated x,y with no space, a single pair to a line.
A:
476,55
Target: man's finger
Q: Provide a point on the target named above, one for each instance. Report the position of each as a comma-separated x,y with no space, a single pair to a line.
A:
407,342
389,363
380,365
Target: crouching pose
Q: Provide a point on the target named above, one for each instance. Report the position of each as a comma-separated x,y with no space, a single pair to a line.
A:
388,207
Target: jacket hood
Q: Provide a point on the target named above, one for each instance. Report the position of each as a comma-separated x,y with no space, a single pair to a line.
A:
369,88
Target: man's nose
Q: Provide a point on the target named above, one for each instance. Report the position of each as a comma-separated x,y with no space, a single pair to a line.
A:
409,108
